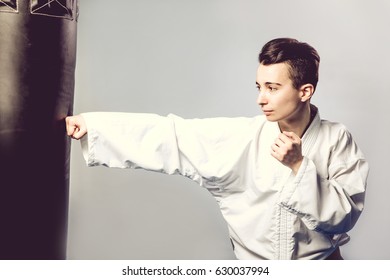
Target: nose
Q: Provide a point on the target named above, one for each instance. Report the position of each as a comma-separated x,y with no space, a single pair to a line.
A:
262,99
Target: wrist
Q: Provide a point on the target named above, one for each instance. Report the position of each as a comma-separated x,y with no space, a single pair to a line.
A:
295,167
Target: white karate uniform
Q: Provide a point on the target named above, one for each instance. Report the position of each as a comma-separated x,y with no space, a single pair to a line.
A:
271,213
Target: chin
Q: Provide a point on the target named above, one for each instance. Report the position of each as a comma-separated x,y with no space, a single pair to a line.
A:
271,118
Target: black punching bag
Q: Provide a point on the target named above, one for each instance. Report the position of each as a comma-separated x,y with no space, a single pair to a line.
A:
37,64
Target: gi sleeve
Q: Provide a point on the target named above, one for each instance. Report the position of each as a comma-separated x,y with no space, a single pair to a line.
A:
204,150
330,205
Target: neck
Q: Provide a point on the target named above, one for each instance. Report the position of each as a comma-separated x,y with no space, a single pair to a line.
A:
299,122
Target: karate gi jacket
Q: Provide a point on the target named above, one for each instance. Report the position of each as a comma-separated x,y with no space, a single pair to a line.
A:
270,212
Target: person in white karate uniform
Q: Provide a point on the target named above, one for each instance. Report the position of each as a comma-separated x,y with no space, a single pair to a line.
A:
289,185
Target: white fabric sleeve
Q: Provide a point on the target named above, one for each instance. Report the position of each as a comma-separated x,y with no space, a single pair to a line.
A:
204,150
330,205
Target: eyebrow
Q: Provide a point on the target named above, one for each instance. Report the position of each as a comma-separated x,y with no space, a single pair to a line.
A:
269,83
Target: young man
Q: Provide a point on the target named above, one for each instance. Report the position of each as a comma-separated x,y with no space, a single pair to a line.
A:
289,184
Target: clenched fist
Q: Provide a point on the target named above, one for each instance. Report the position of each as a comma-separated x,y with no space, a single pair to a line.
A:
75,126
288,150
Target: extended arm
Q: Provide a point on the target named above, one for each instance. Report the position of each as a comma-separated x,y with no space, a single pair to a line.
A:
205,150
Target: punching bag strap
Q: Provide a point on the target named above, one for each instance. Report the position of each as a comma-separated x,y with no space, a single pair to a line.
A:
67,9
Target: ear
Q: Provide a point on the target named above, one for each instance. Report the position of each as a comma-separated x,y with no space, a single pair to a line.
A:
306,92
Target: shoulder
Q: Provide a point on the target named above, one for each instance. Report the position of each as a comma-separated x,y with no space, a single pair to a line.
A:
340,140
335,130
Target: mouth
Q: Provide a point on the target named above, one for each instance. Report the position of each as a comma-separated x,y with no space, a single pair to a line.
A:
267,112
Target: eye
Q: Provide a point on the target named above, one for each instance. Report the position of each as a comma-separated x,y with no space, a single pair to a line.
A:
273,89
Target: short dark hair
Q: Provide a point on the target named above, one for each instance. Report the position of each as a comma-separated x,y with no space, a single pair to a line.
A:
302,59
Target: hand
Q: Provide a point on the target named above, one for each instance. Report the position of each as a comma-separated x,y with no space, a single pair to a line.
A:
75,126
288,150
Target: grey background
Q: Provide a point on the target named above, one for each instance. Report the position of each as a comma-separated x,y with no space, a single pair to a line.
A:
198,59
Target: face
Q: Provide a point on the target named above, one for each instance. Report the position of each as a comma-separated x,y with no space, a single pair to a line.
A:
278,98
